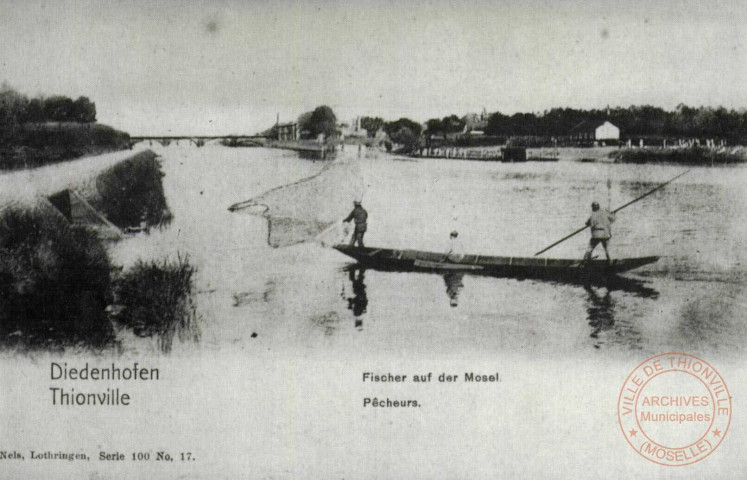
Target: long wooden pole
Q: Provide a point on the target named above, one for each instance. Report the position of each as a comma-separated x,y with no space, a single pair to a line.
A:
614,211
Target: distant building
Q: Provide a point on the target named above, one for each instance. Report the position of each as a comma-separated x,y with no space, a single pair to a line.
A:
589,132
287,131
352,129
380,137
474,123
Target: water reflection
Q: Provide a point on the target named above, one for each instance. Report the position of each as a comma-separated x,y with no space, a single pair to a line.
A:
601,310
638,288
606,302
454,283
359,301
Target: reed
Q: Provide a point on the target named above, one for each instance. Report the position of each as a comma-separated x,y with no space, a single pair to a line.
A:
156,297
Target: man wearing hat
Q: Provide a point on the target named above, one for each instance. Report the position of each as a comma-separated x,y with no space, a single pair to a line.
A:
360,215
454,251
600,223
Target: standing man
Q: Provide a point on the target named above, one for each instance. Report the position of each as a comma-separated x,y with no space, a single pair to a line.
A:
600,223
360,215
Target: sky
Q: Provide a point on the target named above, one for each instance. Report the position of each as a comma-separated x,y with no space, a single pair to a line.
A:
229,67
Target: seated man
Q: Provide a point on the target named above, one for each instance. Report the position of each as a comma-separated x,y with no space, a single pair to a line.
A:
454,251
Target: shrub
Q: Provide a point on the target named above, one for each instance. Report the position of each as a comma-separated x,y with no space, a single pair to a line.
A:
54,281
132,191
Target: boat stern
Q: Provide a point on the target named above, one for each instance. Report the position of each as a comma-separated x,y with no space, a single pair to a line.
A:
350,251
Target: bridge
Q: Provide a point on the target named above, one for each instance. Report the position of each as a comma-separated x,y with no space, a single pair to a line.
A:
200,140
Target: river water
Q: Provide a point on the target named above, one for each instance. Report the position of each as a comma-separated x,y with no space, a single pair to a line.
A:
302,300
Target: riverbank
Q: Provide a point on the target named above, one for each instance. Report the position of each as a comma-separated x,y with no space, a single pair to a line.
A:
34,145
22,187
58,285
703,156
308,148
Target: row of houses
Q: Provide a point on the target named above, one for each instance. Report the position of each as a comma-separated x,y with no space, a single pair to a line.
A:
290,131
474,124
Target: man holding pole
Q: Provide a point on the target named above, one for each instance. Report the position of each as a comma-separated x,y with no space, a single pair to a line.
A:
600,223
360,215
602,219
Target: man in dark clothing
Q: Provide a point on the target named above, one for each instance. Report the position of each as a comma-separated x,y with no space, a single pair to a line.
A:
360,215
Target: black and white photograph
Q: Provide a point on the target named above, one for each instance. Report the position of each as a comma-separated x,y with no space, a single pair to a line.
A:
372,240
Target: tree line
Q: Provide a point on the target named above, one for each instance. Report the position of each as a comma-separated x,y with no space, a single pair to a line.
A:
646,120
404,131
16,108
633,121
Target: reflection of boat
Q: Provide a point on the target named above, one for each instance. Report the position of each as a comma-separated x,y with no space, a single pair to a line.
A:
520,267
429,265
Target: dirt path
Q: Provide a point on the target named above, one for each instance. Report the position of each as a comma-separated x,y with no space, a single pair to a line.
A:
22,187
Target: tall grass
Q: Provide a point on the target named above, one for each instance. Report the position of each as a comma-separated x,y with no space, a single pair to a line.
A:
54,282
156,297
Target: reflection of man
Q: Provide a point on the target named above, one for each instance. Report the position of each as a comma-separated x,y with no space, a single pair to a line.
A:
454,285
454,251
600,223
359,301
601,312
360,215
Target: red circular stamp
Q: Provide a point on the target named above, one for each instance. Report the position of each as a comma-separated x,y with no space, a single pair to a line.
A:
674,409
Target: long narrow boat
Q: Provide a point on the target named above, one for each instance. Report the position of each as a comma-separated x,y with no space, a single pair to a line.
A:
518,267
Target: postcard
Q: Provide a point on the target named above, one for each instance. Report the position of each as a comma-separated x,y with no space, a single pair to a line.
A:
372,240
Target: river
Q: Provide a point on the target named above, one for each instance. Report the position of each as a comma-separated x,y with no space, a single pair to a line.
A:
300,299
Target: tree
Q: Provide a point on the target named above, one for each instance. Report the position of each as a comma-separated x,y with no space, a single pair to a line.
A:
452,124
84,110
498,124
406,137
303,122
393,127
434,126
12,106
372,125
35,110
321,120
59,109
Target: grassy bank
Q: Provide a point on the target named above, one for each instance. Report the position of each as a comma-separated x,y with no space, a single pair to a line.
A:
131,192
682,156
156,300
57,285
37,144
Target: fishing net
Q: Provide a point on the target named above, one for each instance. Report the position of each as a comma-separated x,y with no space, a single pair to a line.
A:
312,208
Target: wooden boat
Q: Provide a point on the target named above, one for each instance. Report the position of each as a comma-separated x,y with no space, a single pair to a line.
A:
518,267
